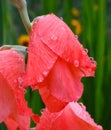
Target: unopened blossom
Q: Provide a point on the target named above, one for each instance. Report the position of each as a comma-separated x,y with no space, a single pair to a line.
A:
56,62
73,117
14,111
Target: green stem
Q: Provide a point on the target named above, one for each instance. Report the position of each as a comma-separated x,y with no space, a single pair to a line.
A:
21,5
25,18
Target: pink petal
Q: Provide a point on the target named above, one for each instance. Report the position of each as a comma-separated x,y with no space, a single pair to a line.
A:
51,102
12,68
46,120
21,122
24,122
75,117
64,82
40,60
56,35
50,37
35,118
11,123
7,100
72,117
56,60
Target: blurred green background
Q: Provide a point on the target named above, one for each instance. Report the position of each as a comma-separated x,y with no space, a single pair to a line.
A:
91,21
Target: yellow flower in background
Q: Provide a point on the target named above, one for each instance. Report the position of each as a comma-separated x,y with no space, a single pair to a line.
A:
75,12
95,7
77,26
23,40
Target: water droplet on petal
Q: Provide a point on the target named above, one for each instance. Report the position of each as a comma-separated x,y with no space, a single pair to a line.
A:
63,29
76,63
14,52
54,37
81,45
40,79
20,81
61,18
20,59
85,51
92,60
76,36
42,110
44,73
25,91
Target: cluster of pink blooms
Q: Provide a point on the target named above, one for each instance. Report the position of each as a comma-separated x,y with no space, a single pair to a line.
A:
56,63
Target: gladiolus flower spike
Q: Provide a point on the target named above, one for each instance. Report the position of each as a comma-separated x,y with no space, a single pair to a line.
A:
56,62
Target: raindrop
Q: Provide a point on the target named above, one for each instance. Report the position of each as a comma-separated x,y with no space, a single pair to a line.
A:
85,51
25,91
54,38
42,110
76,36
76,63
20,59
20,81
81,45
92,60
44,73
14,52
63,29
40,79
61,18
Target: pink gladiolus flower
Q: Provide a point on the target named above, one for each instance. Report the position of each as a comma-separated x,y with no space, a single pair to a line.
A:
56,62
72,117
13,107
